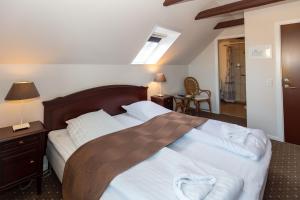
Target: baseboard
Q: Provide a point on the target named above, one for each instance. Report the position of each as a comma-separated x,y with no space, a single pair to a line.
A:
275,138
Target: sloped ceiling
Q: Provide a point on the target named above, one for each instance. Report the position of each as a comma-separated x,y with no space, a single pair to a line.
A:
99,31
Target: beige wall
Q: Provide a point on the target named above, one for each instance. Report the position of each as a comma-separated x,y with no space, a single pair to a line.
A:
264,99
205,66
58,80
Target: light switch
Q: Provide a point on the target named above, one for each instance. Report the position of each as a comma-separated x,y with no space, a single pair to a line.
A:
269,83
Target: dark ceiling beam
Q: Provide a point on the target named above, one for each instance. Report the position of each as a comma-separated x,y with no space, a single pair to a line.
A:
233,7
172,2
230,23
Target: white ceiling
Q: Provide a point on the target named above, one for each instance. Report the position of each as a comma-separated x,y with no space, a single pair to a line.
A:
99,31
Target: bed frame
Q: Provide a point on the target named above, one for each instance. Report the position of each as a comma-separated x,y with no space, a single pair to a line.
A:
110,98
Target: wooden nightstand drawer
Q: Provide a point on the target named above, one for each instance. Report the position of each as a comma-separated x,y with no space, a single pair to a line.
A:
169,103
158,101
21,155
18,166
169,100
19,143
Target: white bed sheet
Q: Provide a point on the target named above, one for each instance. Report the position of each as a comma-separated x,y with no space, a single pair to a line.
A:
62,142
254,174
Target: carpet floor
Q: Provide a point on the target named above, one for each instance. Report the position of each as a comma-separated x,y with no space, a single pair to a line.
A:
221,117
283,179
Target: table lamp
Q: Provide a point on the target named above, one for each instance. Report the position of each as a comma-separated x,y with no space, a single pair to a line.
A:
21,91
160,78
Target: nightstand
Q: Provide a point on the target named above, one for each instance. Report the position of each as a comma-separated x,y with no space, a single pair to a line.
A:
21,155
165,101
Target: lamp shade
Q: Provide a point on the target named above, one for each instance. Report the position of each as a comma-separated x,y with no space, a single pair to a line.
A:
22,91
160,77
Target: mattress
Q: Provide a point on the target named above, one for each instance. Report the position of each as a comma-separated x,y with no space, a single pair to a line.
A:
56,160
60,148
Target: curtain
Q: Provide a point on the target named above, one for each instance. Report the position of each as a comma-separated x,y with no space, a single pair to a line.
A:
228,89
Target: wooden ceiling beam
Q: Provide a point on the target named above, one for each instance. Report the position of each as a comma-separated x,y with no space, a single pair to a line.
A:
230,23
233,7
172,2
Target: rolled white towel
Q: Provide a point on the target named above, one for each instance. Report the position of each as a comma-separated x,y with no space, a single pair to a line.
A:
193,186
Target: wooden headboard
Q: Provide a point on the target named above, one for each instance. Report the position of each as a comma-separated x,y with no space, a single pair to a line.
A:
110,98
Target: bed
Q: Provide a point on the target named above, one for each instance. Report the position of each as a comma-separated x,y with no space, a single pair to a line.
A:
111,98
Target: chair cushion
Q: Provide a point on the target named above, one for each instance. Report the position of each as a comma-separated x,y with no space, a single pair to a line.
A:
201,97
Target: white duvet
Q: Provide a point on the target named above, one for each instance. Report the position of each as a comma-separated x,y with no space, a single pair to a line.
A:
250,143
153,179
254,173
239,140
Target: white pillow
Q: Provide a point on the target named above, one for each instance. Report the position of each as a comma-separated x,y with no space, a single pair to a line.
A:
91,126
145,110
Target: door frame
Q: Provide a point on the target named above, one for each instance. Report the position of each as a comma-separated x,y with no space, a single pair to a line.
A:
278,77
217,70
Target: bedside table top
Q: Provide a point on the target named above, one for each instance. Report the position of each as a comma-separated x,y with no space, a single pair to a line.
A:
162,97
7,133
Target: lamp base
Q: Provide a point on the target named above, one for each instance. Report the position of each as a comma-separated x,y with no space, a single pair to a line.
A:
21,127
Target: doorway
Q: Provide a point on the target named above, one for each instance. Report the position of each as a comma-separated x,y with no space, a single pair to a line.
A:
232,77
290,58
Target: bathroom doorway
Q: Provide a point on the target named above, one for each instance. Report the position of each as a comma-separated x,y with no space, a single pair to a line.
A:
232,77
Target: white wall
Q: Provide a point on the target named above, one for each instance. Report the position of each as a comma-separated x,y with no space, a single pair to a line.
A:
205,66
265,102
59,80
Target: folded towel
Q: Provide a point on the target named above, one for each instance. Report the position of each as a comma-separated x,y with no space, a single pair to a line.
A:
235,133
253,149
193,186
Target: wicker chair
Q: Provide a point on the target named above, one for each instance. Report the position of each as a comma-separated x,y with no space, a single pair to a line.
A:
192,88
179,103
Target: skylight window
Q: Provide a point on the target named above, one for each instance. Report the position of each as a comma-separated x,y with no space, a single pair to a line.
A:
156,46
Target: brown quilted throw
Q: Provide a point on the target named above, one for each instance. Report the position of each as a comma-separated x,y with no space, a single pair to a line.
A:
93,166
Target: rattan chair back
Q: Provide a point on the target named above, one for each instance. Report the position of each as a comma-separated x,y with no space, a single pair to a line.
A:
191,86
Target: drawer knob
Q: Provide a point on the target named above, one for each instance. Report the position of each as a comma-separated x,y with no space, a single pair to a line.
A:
32,161
21,142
